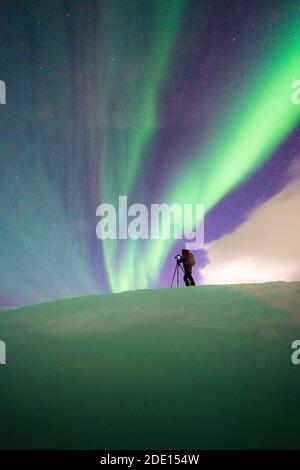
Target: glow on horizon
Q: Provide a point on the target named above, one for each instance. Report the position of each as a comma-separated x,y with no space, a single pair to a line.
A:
244,271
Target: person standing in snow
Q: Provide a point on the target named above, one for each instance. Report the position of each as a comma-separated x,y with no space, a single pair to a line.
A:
188,261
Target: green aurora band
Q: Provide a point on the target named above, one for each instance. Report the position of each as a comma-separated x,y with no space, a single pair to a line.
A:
244,136
138,111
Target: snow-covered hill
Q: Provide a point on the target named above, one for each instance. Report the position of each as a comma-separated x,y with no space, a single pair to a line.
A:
199,368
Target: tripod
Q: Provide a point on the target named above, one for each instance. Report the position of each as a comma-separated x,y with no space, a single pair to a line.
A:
176,271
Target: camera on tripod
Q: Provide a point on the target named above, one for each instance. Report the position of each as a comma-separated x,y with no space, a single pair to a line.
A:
176,270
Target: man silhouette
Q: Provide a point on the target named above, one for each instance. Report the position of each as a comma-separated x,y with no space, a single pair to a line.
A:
188,261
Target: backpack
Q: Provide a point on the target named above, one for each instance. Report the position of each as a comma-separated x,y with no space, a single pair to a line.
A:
191,259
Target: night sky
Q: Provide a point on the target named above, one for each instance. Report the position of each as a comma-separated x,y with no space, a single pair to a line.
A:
163,101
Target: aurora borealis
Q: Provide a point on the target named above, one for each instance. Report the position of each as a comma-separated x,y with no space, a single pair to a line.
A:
176,101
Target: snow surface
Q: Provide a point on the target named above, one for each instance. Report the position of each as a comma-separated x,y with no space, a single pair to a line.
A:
199,368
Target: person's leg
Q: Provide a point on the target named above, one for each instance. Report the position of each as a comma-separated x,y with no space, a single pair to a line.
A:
191,279
186,279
